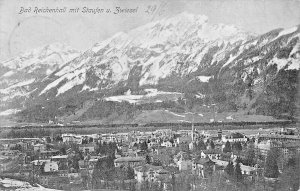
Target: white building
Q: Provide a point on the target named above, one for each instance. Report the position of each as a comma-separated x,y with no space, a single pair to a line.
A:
50,166
166,144
234,137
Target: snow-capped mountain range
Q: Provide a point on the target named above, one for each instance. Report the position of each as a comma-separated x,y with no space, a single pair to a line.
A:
184,51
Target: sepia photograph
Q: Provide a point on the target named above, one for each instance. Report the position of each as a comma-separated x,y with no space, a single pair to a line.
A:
149,95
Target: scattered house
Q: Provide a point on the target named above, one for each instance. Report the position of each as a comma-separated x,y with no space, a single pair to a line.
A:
63,173
183,139
184,164
39,147
74,177
48,154
59,158
123,148
248,170
278,137
234,137
165,151
203,166
92,163
39,162
122,136
220,163
183,161
140,153
192,145
129,161
23,145
70,138
87,148
289,149
153,144
265,146
50,166
53,180
129,153
62,161
166,144
108,138
82,164
150,173
212,154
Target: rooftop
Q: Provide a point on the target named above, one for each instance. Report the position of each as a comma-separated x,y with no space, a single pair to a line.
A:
60,157
148,167
129,159
203,161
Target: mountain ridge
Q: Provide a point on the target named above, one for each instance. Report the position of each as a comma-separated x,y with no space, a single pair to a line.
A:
175,54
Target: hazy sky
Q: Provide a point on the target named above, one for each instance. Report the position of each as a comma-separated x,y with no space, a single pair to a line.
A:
22,32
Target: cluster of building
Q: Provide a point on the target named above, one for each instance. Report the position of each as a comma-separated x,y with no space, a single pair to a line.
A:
167,154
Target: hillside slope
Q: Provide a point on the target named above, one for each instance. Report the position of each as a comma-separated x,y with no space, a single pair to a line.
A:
202,64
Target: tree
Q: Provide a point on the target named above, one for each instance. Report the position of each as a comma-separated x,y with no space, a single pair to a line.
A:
291,175
237,146
147,159
144,146
111,149
130,173
271,167
42,168
135,145
250,156
157,163
201,145
238,172
63,151
172,141
212,144
207,142
104,170
103,148
98,148
227,147
230,169
48,139
184,147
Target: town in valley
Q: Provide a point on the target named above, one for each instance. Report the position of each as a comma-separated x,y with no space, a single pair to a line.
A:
162,159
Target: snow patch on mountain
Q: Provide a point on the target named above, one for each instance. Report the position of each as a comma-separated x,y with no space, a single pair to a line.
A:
290,63
204,78
287,31
231,58
19,84
7,74
9,112
174,113
153,95
128,98
295,65
53,54
74,81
